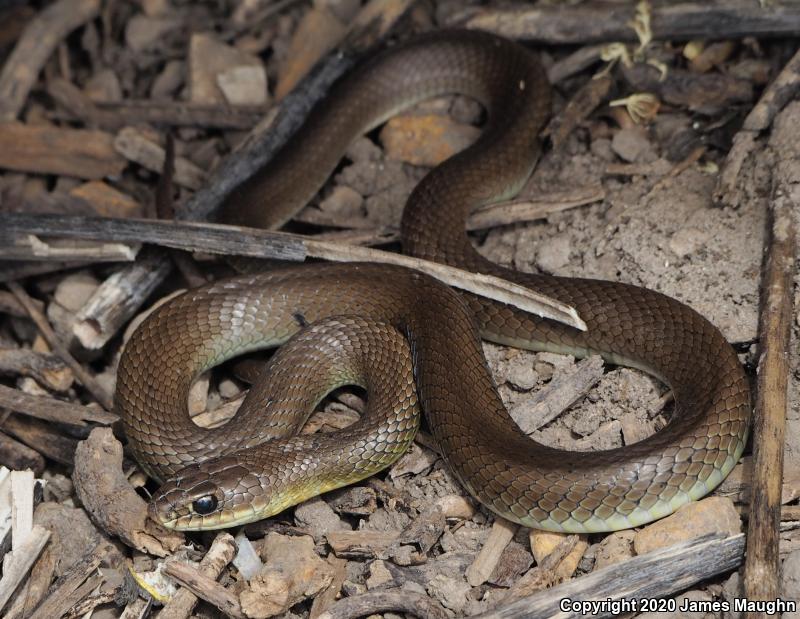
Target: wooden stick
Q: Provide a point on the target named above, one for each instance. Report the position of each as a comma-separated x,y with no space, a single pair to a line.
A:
762,579
205,587
87,380
219,555
482,567
42,35
384,601
113,116
597,22
51,409
282,246
654,575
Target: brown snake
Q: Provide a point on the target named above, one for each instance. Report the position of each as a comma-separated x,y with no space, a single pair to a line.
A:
512,475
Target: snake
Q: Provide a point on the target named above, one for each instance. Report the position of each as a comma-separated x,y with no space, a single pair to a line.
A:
414,343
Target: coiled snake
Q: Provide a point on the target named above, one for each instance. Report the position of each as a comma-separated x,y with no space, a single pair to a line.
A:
361,310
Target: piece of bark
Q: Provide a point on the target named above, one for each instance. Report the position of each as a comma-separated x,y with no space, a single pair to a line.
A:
762,579
385,601
111,501
16,456
41,436
658,574
80,153
501,534
107,201
47,369
598,22
82,375
35,589
40,38
328,596
219,555
361,544
118,298
68,590
205,587
514,561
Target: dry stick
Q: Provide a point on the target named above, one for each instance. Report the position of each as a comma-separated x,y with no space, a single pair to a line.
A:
42,35
598,22
219,555
51,409
783,88
112,116
237,240
385,601
206,588
657,574
87,380
761,579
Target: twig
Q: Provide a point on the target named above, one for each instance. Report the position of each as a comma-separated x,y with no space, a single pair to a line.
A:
597,22
283,246
51,409
206,588
762,580
219,555
653,575
34,47
87,380
385,601
501,534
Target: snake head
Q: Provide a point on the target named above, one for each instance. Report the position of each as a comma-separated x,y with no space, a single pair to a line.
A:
191,501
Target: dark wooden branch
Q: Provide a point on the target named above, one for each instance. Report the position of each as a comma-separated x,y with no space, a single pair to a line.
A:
236,240
597,22
762,573
50,409
112,116
654,575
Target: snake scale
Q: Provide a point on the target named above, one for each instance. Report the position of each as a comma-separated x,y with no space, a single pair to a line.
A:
349,324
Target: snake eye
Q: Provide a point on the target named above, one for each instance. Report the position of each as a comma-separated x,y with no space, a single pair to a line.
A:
205,505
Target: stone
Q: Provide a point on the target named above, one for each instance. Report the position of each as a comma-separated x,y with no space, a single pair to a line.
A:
208,59
318,516
425,140
74,290
244,85
710,515
632,145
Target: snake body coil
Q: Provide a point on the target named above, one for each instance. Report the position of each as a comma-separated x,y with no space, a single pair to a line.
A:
523,481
